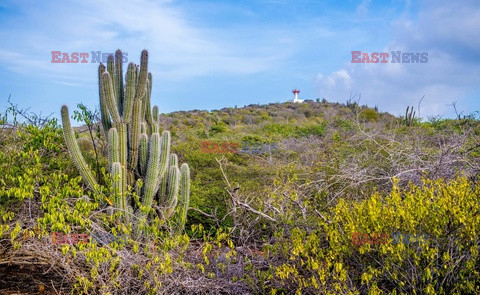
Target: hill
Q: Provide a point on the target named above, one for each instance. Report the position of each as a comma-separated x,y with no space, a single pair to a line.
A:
334,198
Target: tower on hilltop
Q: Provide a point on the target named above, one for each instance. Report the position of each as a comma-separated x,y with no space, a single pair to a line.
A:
295,96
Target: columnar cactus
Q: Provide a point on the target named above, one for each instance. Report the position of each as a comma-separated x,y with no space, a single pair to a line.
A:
139,156
409,117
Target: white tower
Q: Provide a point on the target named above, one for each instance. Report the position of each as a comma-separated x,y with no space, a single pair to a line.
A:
295,96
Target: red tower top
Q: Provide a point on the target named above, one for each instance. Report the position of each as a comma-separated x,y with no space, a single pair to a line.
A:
295,91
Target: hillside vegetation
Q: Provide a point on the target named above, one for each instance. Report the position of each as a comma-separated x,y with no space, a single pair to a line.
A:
258,223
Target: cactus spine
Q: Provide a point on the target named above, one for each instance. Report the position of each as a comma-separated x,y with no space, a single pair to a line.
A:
139,157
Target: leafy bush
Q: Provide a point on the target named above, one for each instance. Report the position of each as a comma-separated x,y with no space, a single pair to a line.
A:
369,115
284,130
325,260
316,129
218,128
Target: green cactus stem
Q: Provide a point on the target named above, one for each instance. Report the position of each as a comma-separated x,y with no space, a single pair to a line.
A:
106,122
409,117
118,199
129,92
118,80
134,130
113,150
153,167
143,153
172,195
180,217
164,157
75,152
162,190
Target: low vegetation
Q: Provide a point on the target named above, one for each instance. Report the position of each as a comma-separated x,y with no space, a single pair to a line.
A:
269,223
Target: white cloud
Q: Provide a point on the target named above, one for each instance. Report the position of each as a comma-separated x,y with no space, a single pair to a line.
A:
362,8
181,48
445,31
338,79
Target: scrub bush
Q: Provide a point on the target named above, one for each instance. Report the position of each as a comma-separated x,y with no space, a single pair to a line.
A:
324,259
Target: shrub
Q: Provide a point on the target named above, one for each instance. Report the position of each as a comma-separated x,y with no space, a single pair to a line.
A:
369,115
218,128
325,260
279,129
315,129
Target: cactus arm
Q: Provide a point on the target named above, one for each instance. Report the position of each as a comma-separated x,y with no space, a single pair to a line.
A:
142,76
162,189
113,151
164,183
406,115
111,70
155,113
164,157
138,187
106,122
143,128
75,153
149,88
118,80
148,112
137,71
140,81
158,152
117,186
153,167
172,194
173,160
135,133
184,198
143,112
110,97
143,153
155,122
123,151
129,93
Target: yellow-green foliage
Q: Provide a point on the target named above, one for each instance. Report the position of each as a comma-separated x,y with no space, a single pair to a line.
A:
326,261
308,249
369,115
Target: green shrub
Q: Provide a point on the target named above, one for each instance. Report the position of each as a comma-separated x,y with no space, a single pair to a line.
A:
218,128
315,129
285,130
342,123
369,115
325,260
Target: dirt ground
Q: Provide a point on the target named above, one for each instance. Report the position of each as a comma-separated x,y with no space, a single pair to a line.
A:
31,279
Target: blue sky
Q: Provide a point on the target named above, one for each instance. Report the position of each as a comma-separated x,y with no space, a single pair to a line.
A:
214,54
